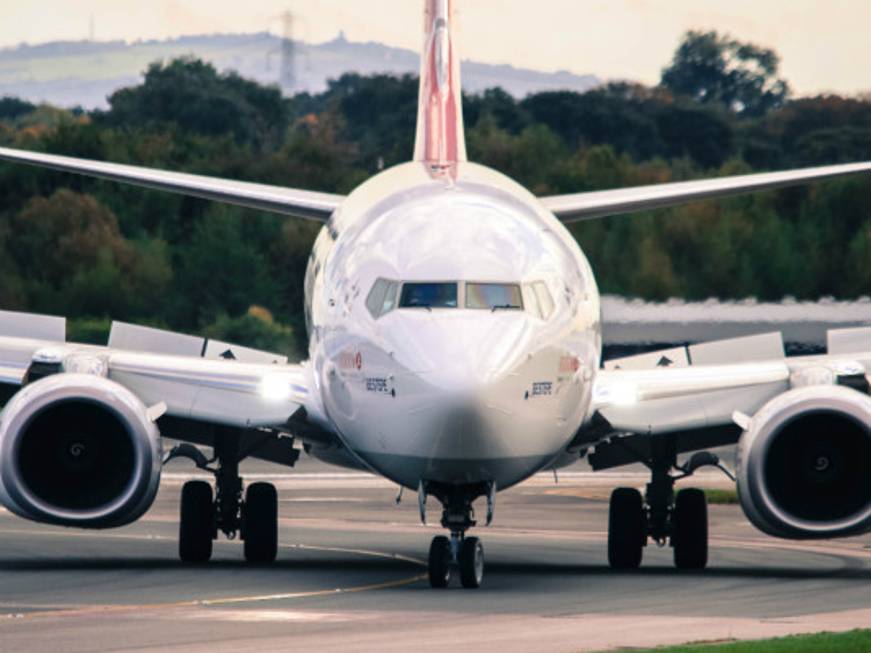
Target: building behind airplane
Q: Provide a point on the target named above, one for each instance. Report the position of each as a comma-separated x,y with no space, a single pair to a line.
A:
454,348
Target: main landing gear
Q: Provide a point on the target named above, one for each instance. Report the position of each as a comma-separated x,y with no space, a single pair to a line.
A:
660,515
459,552
255,518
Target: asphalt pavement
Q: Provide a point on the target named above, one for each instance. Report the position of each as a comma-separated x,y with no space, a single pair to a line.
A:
350,576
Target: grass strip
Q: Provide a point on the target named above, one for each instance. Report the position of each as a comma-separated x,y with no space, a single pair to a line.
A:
854,641
719,496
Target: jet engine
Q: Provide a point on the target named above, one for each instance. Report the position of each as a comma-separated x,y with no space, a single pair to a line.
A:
804,464
78,450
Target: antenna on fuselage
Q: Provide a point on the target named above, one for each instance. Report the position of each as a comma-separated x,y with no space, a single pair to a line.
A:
440,140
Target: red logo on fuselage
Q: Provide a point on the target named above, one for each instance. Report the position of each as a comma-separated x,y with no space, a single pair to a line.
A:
349,360
569,364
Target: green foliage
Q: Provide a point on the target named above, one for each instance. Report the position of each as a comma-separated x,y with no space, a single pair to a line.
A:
854,641
94,250
93,331
12,107
378,113
193,95
222,269
721,496
71,257
714,69
255,331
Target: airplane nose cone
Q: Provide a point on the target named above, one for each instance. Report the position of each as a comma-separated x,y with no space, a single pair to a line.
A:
461,405
461,371
462,353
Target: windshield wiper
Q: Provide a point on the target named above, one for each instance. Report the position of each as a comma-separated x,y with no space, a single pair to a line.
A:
503,306
420,305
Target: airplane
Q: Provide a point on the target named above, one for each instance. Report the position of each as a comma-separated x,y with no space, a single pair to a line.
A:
455,347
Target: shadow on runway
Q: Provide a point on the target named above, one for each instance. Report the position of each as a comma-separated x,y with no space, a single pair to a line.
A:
850,571
494,568
157,564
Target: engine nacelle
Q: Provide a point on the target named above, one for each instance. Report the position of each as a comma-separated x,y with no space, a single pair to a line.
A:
804,464
78,450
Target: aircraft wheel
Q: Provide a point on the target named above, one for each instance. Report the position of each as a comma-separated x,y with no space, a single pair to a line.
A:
471,562
626,530
689,535
439,561
261,523
197,524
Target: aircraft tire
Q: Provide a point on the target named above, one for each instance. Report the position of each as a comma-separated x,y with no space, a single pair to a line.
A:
197,523
626,528
439,566
689,535
471,563
261,523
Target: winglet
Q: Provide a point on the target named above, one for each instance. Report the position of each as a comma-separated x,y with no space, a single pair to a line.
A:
440,141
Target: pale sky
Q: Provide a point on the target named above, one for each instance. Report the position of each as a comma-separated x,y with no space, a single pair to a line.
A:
824,46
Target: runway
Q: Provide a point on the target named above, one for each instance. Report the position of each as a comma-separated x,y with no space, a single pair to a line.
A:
351,576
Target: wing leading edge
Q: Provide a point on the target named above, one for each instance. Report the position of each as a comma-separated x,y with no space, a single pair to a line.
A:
196,378
599,204
293,202
660,400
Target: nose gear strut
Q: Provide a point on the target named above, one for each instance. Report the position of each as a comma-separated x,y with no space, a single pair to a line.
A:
458,515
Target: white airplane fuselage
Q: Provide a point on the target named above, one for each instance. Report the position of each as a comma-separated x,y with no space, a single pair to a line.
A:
450,394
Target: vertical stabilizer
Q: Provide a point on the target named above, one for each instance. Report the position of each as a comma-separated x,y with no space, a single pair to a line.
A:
440,139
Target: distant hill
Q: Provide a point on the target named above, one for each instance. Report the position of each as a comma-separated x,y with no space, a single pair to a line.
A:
84,73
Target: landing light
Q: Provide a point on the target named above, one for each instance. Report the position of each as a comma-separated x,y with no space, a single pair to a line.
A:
275,387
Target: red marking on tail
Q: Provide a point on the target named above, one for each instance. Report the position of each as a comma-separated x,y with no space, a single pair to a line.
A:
440,139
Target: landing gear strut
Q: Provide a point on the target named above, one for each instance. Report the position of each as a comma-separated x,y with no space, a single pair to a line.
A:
462,552
659,515
255,518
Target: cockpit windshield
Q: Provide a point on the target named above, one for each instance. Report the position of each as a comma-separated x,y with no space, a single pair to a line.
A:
493,296
428,295
532,297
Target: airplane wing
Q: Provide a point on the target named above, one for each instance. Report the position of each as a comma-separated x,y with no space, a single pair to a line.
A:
599,204
702,393
288,201
192,380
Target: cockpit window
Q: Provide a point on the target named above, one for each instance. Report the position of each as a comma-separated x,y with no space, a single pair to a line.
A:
493,296
533,297
530,301
538,299
545,301
382,297
428,295
390,297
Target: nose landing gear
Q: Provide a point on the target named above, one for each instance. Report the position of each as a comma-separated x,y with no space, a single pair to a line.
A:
459,551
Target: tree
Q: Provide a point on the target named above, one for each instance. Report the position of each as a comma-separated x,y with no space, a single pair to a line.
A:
379,114
193,95
498,105
698,132
715,69
12,107
598,117
64,235
72,259
256,329
223,270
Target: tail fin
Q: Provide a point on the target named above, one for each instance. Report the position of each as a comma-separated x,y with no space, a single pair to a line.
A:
440,139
